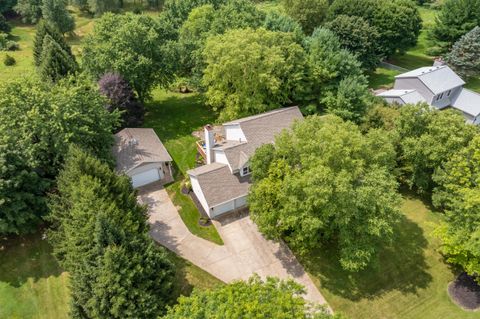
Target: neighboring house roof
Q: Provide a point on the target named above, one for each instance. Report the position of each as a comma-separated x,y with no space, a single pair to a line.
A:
468,102
219,185
437,79
407,96
136,146
258,130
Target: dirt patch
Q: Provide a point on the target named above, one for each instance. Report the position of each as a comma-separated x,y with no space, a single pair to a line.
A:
465,292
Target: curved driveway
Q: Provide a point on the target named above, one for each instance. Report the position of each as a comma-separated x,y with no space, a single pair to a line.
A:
245,251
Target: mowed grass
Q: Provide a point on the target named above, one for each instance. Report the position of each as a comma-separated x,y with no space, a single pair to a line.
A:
32,284
410,281
174,117
382,78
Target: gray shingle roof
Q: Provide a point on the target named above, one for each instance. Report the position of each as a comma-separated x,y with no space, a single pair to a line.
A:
259,129
219,185
438,79
467,102
136,146
407,96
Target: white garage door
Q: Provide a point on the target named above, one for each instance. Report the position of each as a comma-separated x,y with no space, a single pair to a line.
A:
147,177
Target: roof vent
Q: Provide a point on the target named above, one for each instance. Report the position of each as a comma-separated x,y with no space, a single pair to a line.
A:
133,141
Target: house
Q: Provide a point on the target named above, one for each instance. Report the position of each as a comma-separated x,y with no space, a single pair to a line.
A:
221,186
140,154
438,86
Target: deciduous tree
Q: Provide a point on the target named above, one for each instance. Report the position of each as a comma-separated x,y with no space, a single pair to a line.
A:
309,13
252,299
132,45
56,13
327,184
29,10
251,71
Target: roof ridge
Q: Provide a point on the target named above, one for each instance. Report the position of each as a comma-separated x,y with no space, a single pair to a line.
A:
261,115
220,166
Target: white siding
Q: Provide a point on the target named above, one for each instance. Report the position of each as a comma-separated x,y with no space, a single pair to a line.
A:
198,191
222,209
414,84
220,157
397,100
234,133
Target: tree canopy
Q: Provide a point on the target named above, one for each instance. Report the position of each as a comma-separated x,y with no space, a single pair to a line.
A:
427,139
464,57
309,13
131,45
55,62
46,120
252,299
398,22
456,18
325,183
458,191
100,236
251,71
29,10
56,13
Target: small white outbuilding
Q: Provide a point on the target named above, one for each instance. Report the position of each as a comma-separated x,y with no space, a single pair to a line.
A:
140,154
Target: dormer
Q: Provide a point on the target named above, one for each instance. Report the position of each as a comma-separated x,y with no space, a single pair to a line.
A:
234,132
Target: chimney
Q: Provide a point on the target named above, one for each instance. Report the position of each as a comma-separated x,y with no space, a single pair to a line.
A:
209,142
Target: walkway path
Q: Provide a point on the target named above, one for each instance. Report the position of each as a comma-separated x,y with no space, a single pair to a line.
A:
245,251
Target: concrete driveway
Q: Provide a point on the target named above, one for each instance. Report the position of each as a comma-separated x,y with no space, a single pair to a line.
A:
245,251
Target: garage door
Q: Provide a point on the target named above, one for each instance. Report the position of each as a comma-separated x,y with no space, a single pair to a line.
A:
144,178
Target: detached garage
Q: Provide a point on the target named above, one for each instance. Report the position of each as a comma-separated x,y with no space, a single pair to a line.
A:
141,155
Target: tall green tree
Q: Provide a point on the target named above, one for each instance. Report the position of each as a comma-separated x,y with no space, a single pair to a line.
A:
252,299
177,11
464,57
456,18
398,22
428,138
55,63
38,122
6,6
131,45
458,192
325,183
29,10
99,7
4,26
55,12
45,28
100,235
252,71
309,13
358,36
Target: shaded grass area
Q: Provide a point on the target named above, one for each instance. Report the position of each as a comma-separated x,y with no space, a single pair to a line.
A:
174,117
33,285
409,281
190,215
382,78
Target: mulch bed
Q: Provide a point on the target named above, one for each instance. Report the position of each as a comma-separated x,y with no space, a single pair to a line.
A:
465,291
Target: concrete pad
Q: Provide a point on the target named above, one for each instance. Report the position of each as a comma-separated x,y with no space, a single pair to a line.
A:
246,251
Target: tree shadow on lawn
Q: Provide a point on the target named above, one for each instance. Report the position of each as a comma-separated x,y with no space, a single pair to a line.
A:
177,115
25,257
400,266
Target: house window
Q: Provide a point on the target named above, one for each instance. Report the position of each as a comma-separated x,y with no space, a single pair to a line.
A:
449,91
246,170
440,96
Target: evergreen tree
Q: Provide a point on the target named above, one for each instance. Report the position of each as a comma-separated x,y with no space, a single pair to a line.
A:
4,26
44,28
100,235
55,62
29,10
55,12
99,7
81,4
465,55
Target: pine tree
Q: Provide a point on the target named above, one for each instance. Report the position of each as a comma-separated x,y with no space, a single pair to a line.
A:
465,55
4,26
55,62
44,28
55,12
100,235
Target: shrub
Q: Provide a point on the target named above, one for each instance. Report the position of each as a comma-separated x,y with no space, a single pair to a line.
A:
9,60
11,46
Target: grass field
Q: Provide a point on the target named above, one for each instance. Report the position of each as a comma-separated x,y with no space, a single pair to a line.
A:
32,284
174,117
409,282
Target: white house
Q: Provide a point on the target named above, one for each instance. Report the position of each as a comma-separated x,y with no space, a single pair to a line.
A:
222,184
438,86
140,154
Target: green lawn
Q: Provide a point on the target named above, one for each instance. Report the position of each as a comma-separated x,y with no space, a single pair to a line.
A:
382,78
32,284
410,281
174,117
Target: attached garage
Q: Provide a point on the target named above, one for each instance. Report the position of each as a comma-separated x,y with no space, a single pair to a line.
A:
141,155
